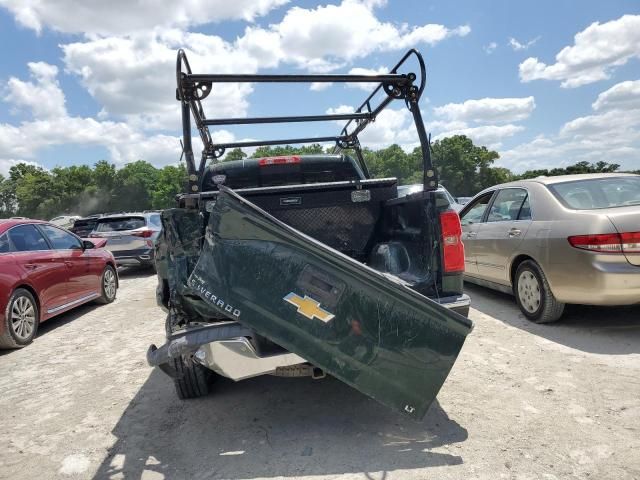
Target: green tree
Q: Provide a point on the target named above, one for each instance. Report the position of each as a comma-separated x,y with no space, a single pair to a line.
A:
235,154
134,185
170,181
8,204
268,151
579,167
465,168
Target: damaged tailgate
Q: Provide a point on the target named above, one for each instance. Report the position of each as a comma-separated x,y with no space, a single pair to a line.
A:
365,328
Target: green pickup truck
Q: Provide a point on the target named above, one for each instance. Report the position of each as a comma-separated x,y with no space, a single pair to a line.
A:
304,265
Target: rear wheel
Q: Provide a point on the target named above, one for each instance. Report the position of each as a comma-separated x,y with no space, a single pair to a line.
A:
192,380
21,320
534,295
109,283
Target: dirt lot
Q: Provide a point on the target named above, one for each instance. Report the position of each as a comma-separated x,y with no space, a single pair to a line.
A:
523,401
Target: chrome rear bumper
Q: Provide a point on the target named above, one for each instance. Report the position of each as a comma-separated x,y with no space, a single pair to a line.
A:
237,359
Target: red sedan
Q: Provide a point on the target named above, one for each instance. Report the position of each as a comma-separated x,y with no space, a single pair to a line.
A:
45,271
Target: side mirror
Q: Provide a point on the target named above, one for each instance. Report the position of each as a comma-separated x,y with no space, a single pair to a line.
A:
86,245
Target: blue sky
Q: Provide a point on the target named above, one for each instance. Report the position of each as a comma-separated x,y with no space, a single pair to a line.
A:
544,83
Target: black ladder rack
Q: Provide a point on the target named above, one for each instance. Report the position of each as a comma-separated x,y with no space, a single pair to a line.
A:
193,88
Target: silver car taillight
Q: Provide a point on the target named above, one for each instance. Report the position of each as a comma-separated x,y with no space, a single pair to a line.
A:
628,242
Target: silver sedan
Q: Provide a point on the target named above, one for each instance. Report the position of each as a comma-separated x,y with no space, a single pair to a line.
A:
556,240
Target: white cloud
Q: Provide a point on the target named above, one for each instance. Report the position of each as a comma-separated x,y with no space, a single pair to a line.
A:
323,38
367,87
516,45
25,141
319,86
488,49
133,78
597,50
623,96
340,109
490,136
612,134
43,97
488,110
390,126
118,17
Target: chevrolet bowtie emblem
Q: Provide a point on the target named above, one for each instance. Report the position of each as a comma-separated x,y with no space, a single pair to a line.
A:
308,307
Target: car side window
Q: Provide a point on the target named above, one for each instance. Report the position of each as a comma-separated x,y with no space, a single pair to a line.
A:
4,244
525,211
155,220
61,240
27,238
507,205
476,211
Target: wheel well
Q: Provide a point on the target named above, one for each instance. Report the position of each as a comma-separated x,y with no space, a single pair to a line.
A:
35,296
515,264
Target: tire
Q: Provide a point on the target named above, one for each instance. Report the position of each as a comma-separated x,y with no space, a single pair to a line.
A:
192,380
108,285
21,320
534,296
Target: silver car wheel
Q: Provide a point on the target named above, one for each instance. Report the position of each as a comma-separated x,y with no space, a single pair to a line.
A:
23,318
529,291
109,284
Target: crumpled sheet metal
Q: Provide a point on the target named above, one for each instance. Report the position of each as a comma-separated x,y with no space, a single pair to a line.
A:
378,336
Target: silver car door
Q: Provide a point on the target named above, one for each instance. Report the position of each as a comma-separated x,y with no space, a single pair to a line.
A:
507,222
471,218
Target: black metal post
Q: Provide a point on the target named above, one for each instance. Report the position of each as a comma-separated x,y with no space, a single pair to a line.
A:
188,148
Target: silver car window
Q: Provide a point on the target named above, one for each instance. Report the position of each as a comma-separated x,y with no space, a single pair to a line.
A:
525,211
475,211
507,205
154,219
594,193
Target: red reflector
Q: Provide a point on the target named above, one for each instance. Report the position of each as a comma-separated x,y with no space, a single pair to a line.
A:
452,247
146,233
264,162
628,242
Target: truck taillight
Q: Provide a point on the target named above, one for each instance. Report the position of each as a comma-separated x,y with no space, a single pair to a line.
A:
628,242
264,162
144,233
452,247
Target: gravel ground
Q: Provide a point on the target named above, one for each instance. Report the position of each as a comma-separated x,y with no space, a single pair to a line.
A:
523,401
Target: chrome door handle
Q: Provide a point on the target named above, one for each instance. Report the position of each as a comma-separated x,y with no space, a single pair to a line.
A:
472,234
515,232
68,264
31,266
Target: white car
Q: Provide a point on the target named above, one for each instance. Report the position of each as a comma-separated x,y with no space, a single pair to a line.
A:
64,221
404,190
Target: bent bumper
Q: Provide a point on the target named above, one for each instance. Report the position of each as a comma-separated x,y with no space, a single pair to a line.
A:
187,342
